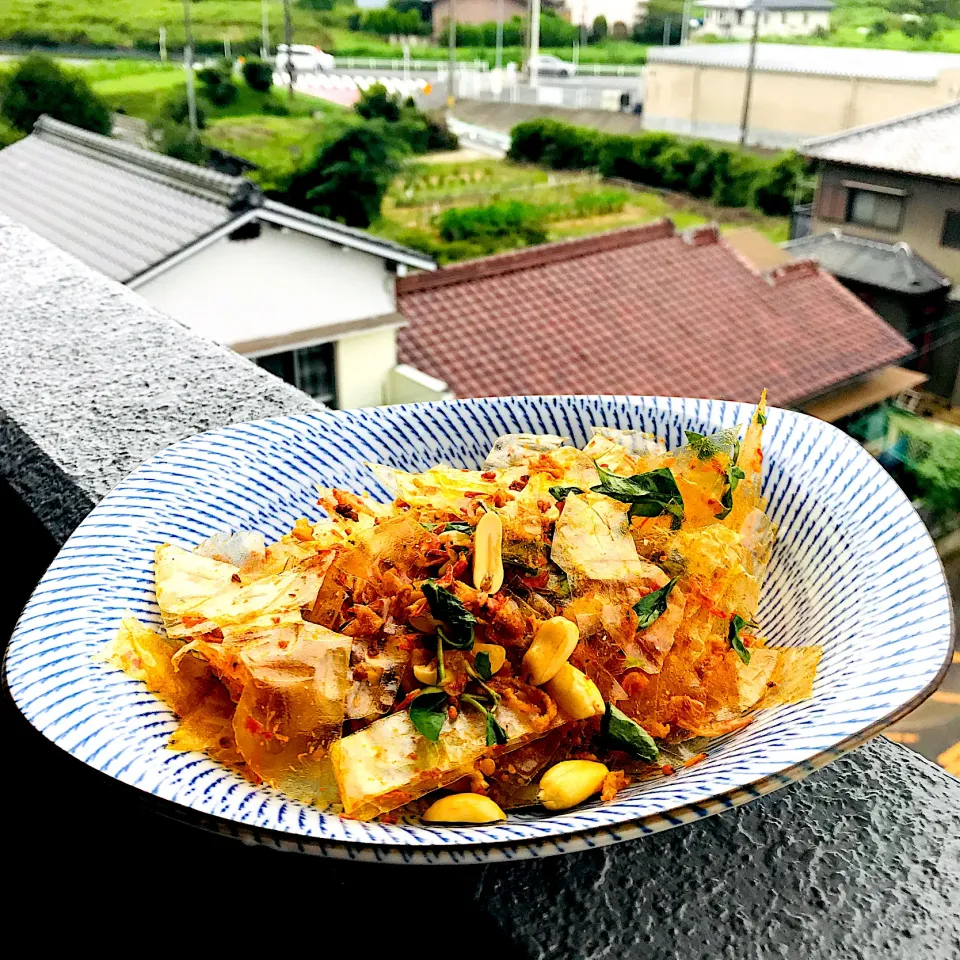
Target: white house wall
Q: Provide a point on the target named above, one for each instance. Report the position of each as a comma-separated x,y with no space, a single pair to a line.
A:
723,22
363,363
235,292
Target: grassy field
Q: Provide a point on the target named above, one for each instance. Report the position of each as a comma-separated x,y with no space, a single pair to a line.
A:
567,202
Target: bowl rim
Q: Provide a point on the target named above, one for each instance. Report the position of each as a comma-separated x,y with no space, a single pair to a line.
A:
455,850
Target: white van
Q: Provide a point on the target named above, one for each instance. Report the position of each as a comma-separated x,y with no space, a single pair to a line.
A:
306,59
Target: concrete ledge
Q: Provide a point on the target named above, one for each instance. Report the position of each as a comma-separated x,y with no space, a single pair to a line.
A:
860,860
504,116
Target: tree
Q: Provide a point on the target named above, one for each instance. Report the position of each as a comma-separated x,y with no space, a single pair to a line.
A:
599,30
348,176
39,86
376,103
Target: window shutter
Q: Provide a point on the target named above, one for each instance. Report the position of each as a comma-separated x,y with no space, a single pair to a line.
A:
831,202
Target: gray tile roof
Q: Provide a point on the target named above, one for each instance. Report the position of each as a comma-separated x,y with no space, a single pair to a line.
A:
889,266
925,143
115,206
125,210
825,61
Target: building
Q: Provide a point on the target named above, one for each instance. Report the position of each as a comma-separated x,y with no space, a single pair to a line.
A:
643,310
475,12
627,12
799,91
308,299
734,19
896,186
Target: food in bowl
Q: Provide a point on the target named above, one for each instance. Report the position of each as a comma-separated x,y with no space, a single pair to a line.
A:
536,633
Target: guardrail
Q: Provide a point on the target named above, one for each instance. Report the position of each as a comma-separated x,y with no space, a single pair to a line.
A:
398,63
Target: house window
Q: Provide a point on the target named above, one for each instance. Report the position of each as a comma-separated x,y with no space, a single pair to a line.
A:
739,17
869,208
310,369
951,230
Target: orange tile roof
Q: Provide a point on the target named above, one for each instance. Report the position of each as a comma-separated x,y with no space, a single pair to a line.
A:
643,310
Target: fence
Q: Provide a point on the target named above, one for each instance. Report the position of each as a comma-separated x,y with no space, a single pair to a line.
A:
487,87
414,64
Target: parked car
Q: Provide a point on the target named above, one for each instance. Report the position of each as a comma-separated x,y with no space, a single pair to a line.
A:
551,66
306,59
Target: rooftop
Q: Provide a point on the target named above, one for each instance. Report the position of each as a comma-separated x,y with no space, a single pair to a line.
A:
890,266
921,67
125,210
925,143
643,310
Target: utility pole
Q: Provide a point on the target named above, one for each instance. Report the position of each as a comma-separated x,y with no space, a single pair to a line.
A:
188,66
498,63
288,36
751,63
534,42
163,44
452,65
264,29
666,32
685,26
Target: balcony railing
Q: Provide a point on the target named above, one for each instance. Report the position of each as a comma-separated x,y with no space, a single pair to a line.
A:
857,860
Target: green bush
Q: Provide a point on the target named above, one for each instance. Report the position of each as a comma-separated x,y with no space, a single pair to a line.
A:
349,175
9,134
376,103
495,226
878,28
177,109
211,76
38,85
728,176
175,140
258,75
223,94
598,203
421,131
275,108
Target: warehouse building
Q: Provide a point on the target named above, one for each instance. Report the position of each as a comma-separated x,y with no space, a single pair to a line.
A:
798,91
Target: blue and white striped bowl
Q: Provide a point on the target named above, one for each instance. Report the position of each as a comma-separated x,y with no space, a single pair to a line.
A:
853,570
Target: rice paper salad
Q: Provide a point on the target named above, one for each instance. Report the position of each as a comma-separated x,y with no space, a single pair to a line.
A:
541,631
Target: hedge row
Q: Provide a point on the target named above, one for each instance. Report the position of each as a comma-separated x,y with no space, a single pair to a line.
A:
727,176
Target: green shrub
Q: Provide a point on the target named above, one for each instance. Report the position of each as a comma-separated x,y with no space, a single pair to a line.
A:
497,225
177,109
38,85
728,176
258,75
9,134
598,203
175,140
223,94
376,103
275,108
211,76
878,28
349,175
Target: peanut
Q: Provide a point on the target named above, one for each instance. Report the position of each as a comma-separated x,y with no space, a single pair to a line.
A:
488,553
575,693
570,782
552,645
426,673
494,651
464,808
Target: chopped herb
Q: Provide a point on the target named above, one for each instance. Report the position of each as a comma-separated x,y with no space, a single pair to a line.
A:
651,494
429,526
458,526
734,476
761,417
651,607
709,445
495,734
482,664
445,607
560,493
428,711
736,625
625,734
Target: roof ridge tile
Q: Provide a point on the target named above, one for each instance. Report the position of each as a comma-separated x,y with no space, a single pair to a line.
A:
538,256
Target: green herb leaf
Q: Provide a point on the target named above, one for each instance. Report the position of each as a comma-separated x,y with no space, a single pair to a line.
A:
458,526
709,445
734,476
761,418
495,733
481,663
446,608
736,625
651,607
428,711
625,734
651,494
560,493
